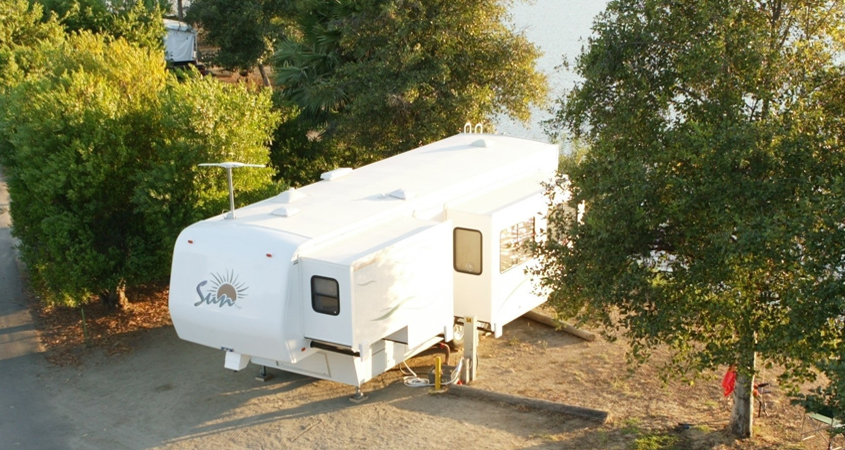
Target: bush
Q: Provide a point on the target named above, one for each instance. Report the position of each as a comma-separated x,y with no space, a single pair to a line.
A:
22,31
101,163
137,21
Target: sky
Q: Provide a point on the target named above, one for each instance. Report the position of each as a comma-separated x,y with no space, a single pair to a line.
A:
560,28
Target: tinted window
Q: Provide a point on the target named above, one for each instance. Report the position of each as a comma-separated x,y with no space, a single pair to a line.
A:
325,295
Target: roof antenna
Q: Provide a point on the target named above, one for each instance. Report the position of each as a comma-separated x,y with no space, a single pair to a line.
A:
229,166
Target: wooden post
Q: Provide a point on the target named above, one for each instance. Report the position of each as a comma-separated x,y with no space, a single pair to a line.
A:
563,326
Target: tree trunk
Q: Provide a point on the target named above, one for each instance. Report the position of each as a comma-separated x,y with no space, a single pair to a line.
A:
742,416
116,297
263,74
180,10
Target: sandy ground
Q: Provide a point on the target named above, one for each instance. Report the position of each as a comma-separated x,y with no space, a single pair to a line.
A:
172,394
168,393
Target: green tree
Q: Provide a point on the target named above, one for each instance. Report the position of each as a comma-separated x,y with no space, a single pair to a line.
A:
203,120
244,31
713,186
373,78
137,21
298,154
23,31
101,169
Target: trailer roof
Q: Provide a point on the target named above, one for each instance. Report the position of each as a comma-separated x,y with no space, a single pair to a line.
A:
504,196
426,177
175,25
371,240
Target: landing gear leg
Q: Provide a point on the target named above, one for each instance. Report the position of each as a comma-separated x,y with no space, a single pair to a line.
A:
359,396
468,371
263,375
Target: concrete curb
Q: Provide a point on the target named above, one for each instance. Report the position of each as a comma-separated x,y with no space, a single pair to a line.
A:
577,411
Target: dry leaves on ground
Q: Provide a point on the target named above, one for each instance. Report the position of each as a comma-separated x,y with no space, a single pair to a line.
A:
63,332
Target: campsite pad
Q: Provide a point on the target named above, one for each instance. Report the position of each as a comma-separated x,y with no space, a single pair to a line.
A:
167,393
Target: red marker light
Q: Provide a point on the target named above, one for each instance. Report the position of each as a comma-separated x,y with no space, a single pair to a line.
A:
269,255
190,241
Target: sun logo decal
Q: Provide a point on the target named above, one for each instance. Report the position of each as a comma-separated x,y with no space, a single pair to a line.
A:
224,290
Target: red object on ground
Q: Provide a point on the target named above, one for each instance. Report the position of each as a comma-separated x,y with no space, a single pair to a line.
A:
729,381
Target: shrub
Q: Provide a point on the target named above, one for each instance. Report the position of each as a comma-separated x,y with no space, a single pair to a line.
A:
101,163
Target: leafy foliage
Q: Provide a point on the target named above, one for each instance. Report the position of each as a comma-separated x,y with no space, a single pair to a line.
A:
374,78
22,32
305,65
102,172
656,442
245,31
137,21
713,183
829,400
203,120
299,154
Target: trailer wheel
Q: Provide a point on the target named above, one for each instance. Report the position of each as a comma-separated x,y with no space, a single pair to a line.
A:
457,341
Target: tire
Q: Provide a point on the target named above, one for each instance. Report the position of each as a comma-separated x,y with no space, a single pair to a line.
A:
457,341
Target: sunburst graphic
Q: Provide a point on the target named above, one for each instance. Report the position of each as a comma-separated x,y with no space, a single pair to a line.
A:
228,286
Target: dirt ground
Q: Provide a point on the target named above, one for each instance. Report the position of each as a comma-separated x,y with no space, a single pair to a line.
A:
141,387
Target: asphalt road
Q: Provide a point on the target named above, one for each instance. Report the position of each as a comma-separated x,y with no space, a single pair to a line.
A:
27,417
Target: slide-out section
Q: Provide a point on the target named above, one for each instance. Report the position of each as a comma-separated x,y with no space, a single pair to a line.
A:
392,282
492,234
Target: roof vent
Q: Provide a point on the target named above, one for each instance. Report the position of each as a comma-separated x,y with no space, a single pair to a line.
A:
291,195
285,211
335,174
402,194
484,143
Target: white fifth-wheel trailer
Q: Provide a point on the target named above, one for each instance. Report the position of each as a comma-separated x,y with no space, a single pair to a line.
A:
347,277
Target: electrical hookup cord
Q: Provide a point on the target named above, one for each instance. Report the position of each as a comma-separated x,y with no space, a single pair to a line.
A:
412,380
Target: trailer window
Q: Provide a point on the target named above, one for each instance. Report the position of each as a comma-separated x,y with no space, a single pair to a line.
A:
325,295
467,251
514,248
